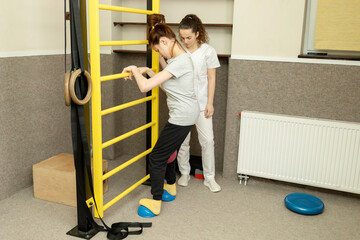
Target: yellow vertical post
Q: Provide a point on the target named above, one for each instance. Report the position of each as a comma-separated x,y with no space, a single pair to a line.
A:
155,102
156,6
155,91
96,104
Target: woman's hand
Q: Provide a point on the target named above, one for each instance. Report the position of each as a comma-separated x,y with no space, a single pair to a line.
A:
143,69
209,111
146,70
130,69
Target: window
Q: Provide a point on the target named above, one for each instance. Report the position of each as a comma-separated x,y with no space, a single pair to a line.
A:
332,29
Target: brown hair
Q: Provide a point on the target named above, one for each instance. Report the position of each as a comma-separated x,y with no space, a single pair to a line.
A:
193,22
157,29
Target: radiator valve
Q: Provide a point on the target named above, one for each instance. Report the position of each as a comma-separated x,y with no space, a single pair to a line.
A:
243,177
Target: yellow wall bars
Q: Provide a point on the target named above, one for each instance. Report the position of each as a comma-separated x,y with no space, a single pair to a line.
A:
97,112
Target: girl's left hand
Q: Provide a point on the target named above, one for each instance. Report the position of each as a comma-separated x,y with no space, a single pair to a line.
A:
209,111
130,70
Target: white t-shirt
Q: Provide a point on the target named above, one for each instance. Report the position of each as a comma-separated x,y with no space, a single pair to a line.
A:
203,58
181,98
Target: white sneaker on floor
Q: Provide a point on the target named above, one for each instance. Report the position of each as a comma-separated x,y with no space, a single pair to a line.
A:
212,185
184,180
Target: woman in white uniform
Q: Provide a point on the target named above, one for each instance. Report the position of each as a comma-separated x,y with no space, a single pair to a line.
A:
193,35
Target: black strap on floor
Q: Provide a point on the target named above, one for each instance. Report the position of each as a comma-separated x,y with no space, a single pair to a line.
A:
87,227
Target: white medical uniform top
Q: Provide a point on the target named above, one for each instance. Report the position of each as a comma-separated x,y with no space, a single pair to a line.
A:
203,58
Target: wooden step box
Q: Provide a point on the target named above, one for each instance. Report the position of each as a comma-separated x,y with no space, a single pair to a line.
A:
54,179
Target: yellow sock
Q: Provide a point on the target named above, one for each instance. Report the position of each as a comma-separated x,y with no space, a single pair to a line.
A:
170,188
153,205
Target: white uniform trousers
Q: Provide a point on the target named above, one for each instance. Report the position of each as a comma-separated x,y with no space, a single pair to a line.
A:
204,127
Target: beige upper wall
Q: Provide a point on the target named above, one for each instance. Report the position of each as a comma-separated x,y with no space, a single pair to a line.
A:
270,28
33,27
261,28
36,27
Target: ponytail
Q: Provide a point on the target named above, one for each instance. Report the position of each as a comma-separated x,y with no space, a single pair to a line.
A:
157,28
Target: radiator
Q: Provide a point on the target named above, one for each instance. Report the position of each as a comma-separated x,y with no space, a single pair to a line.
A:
314,152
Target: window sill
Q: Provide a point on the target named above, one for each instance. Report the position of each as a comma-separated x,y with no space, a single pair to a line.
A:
335,57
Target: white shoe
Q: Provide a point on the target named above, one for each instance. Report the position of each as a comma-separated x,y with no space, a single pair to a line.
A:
184,180
212,185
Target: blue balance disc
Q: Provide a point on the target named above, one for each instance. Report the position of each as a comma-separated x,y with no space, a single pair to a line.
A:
145,212
303,203
167,197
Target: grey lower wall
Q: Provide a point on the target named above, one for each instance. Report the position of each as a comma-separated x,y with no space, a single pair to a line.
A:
33,116
133,117
300,89
35,123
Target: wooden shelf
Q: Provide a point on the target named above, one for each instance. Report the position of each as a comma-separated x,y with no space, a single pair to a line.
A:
174,24
144,52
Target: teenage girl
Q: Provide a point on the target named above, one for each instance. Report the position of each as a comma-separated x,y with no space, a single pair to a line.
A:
177,80
193,35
